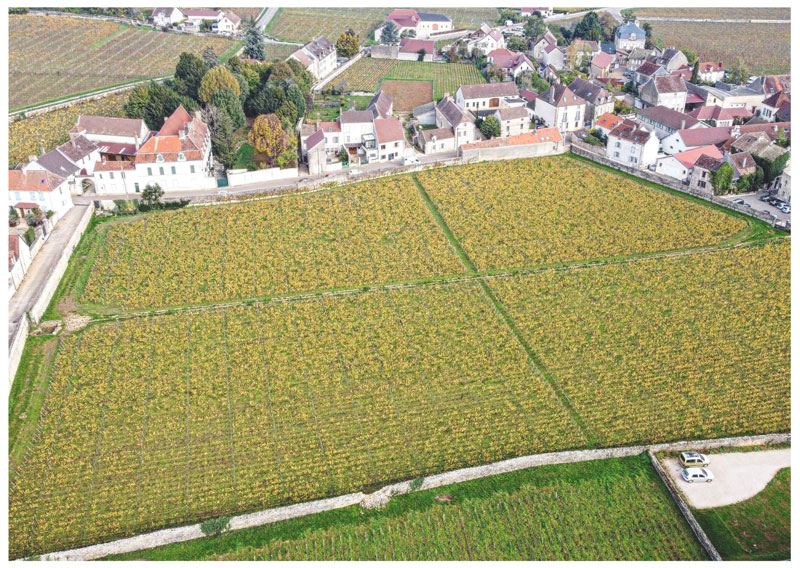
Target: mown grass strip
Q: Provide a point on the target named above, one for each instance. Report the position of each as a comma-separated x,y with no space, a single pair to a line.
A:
104,40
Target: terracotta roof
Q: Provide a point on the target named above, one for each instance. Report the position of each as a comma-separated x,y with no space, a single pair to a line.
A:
668,117
684,72
114,166
689,157
486,90
232,16
705,136
388,129
175,123
411,45
527,95
507,59
26,205
513,113
103,125
538,136
13,248
33,180
771,129
602,60
709,66
608,121
168,143
355,116
314,139
776,100
714,112
670,84
692,98
330,126
631,131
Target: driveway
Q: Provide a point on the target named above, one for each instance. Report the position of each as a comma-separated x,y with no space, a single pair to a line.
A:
33,283
752,199
737,476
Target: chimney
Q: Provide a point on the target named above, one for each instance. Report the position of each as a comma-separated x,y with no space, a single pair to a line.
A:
683,123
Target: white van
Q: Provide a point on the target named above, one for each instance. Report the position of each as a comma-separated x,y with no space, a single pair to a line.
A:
410,160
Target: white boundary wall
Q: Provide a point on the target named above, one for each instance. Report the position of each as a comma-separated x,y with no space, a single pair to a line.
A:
243,177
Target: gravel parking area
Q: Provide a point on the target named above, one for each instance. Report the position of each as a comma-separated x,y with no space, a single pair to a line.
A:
753,200
737,477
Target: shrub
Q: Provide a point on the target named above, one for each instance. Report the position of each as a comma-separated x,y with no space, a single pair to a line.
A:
215,527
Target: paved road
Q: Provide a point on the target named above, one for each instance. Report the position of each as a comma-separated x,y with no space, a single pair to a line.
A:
270,185
615,12
267,17
32,285
753,200
737,476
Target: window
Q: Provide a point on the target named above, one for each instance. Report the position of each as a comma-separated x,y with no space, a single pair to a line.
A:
122,175
159,158
701,184
149,171
110,175
100,176
617,145
41,196
136,187
191,169
181,157
173,170
18,197
616,154
161,170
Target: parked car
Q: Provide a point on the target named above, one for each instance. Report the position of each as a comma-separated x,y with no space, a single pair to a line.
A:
693,459
304,180
410,160
352,173
784,208
765,197
223,193
739,201
694,474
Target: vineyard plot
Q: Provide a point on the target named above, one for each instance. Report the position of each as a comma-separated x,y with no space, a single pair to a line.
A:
658,350
155,421
527,213
370,233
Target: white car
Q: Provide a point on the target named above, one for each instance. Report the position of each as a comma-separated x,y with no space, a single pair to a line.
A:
692,474
355,173
410,160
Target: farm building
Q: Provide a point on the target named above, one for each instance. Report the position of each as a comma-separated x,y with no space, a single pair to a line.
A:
421,24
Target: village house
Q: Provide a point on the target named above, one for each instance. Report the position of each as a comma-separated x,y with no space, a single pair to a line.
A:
607,122
420,24
683,140
227,24
366,135
710,72
72,161
775,108
486,96
629,36
542,43
636,58
315,153
434,140
381,105
486,39
19,260
671,59
553,56
598,100
718,116
600,66
679,165
702,173
30,189
358,135
221,21
116,138
770,84
166,17
757,144
317,56
460,120
543,12
513,120
743,164
784,183
667,91
560,107
514,64
647,71
631,145
583,48
390,137
664,121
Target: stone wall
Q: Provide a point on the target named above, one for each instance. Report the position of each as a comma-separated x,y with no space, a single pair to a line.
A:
336,72
15,349
515,152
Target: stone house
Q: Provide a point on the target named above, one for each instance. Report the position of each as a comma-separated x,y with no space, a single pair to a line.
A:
667,91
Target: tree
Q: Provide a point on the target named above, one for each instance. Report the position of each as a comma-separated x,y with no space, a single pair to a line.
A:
287,113
695,72
267,136
691,56
648,35
738,72
532,81
515,43
490,126
535,28
157,102
216,79
13,217
294,94
254,41
210,57
772,168
190,71
389,33
302,77
347,44
589,28
281,71
421,54
244,87
227,102
268,100
138,100
496,72
152,194
223,142
721,179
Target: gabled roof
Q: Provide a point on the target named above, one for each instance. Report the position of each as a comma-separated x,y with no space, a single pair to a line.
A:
232,16
330,126
114,166
771,129
743,162
513,113
625,31
425,17
103,125
705,136
485,90
181,134
669,84
381,105
708,163
356,116
632,132
710,66
776,100
608,121
647,68
195,13
77,148
507,59
176,122
590,92
438,133
166,12
33,180
411,45
668,117
55,162
452,112
689,157
602,60
560,96
685,72
717,113
314,139
640,53
388,130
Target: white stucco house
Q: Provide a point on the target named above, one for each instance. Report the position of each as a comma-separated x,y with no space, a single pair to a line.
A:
317,56
30,189
558,106
631,145
166,17
486,96
486,39
629,36
679,166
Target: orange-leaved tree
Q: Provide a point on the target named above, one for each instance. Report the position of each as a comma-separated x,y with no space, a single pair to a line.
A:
267,136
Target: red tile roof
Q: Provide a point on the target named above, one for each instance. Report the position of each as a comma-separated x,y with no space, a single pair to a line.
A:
631,131
388,129
33,180
705,136
175,122
689,157
602,60
609,121
708,66
168,142
411,45
330,126
114,166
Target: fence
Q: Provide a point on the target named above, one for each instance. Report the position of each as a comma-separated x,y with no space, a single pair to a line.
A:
579,149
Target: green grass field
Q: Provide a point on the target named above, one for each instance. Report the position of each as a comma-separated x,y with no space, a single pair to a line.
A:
609,510
379,339
756,529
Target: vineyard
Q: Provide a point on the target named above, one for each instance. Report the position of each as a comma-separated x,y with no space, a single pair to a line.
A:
367,73
390,332
26,137
466,18
305,24
278,51
543,220
407,95
726,13
84,55
371,233
764,48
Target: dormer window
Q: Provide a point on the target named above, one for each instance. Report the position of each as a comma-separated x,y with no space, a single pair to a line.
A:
181,157
159,158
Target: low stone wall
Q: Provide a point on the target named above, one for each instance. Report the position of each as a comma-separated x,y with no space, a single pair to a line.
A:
515,152
671,183
382,496
16,348
336,72
60,267
243,177
698,531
